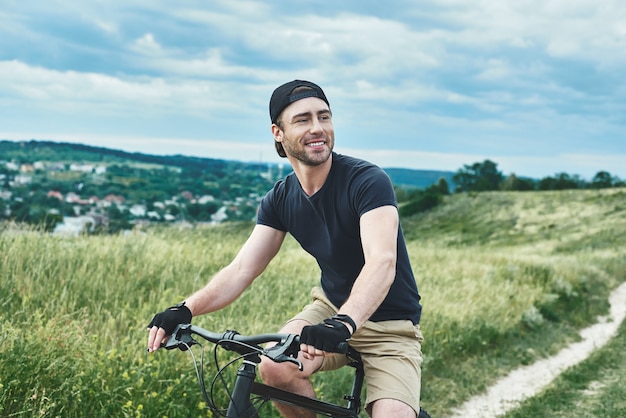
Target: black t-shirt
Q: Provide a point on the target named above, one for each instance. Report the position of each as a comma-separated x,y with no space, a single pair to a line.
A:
327,226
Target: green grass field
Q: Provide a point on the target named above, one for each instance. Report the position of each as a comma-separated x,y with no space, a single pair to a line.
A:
506,279
594,388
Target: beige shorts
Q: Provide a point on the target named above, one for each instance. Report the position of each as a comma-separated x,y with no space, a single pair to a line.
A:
391,352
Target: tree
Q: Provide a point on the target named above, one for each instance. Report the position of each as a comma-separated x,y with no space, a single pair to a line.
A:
442,186
201,212
118,220
602,180
478,177
50,221
514,183
561,181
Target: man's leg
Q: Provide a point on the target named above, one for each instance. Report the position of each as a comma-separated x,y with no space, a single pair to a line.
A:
384,408
286,376
392,358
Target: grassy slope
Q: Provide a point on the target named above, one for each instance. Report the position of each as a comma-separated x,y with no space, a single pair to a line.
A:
507,278
594,388
521,271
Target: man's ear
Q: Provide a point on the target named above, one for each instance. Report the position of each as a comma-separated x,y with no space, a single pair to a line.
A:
277,133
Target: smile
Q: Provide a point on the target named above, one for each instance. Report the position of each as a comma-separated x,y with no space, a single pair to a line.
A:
315,144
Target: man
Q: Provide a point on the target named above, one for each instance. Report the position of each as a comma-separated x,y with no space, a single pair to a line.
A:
343,211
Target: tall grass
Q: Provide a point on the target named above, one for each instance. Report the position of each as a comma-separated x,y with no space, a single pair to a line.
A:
506,278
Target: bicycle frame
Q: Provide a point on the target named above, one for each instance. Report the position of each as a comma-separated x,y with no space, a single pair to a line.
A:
240,404
241,407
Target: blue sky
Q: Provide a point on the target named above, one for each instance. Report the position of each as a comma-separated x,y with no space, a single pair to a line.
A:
537,86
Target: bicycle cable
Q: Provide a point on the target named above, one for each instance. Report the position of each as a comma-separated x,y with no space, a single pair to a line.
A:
210,396
257,402
200,376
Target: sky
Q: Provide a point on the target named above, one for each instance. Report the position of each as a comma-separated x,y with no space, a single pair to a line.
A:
536,86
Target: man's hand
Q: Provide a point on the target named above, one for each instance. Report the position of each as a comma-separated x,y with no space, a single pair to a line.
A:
163,324
327,336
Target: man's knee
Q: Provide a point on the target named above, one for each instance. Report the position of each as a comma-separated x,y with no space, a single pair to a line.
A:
282,374
272,373
275,374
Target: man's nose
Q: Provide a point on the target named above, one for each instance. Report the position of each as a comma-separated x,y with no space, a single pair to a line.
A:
316,126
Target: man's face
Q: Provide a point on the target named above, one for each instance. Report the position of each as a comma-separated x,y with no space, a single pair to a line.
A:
307,132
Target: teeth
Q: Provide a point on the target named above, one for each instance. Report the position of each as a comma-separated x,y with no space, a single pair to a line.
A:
315,144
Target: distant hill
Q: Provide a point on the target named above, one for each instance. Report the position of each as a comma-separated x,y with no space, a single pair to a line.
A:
34,150
406,177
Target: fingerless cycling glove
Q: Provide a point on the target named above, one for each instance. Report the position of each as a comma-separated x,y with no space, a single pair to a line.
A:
170,318
329,336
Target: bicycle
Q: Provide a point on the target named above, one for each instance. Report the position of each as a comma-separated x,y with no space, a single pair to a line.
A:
248,395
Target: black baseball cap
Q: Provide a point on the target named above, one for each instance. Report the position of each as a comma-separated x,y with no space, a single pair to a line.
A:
282,97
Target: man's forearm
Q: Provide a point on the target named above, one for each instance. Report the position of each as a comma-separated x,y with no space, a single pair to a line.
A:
369,291
221,291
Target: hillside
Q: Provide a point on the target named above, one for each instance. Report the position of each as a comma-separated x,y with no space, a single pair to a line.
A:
507,279
78,188
525,271
32,151
405,177
568,220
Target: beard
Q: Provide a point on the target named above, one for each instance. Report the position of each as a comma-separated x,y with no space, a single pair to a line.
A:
307,155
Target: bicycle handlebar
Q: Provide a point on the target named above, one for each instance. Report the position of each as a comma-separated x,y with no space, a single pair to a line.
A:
286,349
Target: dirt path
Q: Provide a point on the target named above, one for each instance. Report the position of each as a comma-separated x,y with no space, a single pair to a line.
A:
529,380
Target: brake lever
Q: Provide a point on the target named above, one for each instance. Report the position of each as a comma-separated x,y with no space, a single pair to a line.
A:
285,351
283,359
181,338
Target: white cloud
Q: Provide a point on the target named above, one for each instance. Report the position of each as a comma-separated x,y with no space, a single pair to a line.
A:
532,74
70,91
583,29
496,69
147,44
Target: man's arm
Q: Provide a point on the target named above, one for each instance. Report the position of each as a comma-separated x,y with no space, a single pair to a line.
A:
230,282
379,238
